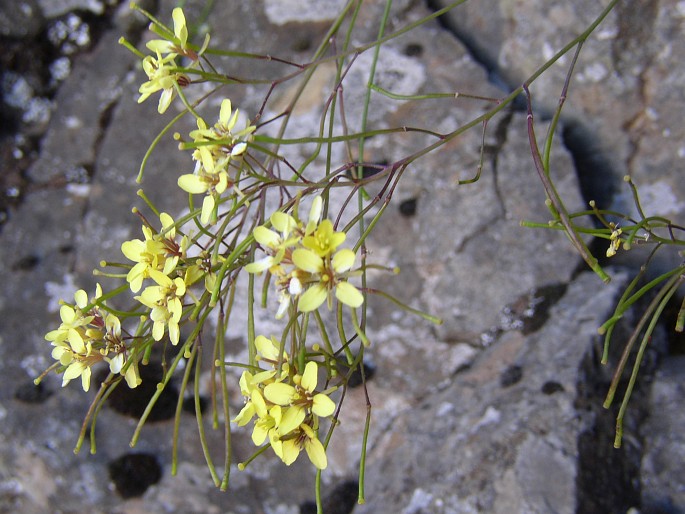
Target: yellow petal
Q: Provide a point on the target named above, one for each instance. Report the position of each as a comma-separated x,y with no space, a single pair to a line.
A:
283,222
258,402
132,378
266,237
165,100
85,379
132,249
343,260
192,184
157,331
309,377
290,451
265,347
245,415
307,261
260,265
348,294
312,298
293,418
225,111
259,433
316,453
74,370
207,209
323,406
81,298
174,333
314,215
180,29
279,393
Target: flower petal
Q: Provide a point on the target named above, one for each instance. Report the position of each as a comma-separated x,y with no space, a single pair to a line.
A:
180,28
307,260
192,184
283,222
309,377
323,406
312,298
262,264
279,393
343,260
314,215
245,415
266,237
348,294
207,209
266,348
225,111
316,452
293,418
290,451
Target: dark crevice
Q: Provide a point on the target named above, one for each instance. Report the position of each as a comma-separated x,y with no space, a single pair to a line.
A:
478,53
608,479
341,500
133,473
493,151
133,402
407,207
598,177
29,392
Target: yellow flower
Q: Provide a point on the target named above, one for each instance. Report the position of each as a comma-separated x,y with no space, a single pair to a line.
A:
227,144
614,241
249,387
162,75
179,44
215,148
324,240
327,275
213,184
157,252
275,242
305,438
76,353
164,300
303,395
72,318
114,344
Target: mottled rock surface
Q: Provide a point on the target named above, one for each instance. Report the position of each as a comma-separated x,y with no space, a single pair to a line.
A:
496,410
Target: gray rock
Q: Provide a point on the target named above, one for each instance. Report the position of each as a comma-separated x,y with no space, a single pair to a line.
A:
21,19
493,441
487,412
55,8
663,460
623,93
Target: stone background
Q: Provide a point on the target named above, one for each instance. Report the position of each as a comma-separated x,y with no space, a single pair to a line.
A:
497,410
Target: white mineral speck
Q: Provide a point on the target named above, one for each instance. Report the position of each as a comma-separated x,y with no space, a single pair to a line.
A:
419,502
60,68
37,111
57,292
72,122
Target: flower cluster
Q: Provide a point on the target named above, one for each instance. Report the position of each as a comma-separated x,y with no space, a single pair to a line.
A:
215,149
306,261
287,406
304,258
614,240
86,337
157,258
161,69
